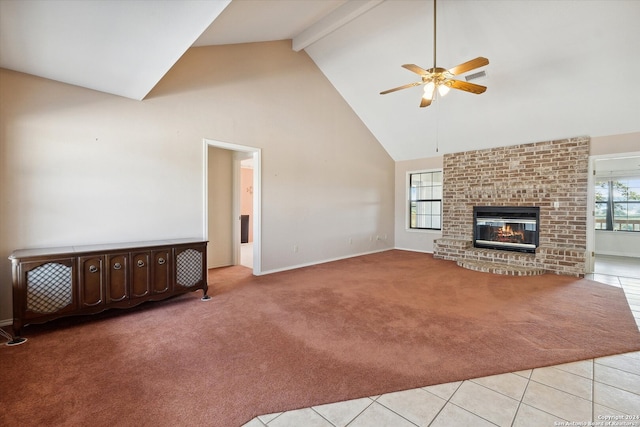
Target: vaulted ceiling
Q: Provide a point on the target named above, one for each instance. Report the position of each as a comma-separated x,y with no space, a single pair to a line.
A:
557,69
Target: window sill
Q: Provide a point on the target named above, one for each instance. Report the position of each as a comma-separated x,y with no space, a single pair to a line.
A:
422,230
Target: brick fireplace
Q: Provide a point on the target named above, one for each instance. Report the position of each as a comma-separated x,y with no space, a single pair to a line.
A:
551,175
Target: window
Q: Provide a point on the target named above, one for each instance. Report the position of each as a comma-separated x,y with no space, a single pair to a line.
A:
618,204
425,200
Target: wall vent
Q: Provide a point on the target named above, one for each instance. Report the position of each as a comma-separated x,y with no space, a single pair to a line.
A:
474,76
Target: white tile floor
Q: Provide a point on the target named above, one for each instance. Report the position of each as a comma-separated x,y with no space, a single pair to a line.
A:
592,392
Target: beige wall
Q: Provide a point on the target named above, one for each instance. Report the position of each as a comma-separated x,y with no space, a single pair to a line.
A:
81,167
615,144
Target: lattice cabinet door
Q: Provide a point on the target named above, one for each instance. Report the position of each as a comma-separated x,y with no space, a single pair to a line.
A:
47,288
190,265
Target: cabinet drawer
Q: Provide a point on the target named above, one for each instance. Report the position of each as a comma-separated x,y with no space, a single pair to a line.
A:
140,274
161,271
91,281
117,277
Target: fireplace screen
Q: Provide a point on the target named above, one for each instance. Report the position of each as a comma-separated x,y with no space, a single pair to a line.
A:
506,227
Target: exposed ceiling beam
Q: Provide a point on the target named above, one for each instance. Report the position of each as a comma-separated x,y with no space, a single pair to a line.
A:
336,19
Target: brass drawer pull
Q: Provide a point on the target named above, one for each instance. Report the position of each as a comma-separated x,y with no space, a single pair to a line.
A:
117,266
93,269
161,261
140,263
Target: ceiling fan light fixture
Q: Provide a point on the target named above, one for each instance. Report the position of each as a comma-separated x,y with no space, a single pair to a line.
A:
429,88
443,90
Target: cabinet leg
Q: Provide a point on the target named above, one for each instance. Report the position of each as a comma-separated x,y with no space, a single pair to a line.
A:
205,297
15,339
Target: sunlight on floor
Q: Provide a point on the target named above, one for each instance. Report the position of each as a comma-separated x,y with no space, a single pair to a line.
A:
246,254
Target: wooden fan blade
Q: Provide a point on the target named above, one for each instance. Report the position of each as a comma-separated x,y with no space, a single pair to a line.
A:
466,86
469,65
425,102
418,70
401,87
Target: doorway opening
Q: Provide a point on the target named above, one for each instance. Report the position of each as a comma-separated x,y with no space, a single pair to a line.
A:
246,212
227,235
613,225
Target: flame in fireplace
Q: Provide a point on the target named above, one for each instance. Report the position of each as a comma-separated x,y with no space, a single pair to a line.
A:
507,234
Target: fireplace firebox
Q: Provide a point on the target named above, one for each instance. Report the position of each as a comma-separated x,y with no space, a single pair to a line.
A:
509,228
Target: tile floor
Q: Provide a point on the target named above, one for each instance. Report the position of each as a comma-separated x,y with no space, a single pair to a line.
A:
594,392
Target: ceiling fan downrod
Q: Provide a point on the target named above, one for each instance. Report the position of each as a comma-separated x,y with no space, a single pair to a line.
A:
434,34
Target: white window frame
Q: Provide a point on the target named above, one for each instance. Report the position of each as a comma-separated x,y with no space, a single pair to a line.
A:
408,203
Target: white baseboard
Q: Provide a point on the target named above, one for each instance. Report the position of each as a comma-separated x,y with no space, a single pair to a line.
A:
413,250
293,267
6,322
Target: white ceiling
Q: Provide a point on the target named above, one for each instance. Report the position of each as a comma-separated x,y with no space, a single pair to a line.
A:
118,47
557,69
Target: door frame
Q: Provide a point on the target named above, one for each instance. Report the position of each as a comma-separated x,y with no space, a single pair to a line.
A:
239,152
591,202
591,219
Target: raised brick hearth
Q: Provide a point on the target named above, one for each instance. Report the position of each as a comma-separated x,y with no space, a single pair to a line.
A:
552,175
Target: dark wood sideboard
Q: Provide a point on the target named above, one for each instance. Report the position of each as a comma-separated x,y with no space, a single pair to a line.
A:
56,282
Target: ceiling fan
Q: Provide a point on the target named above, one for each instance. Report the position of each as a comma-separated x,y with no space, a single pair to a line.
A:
441,78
